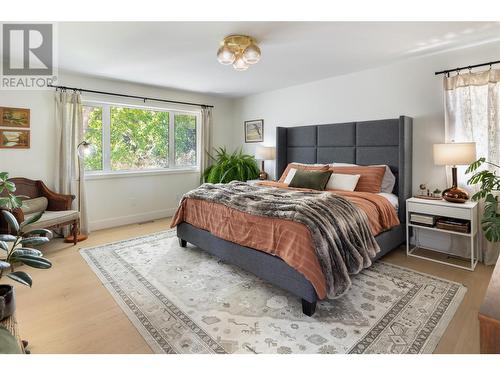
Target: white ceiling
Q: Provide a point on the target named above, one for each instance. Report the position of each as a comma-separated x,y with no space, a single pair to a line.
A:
182,55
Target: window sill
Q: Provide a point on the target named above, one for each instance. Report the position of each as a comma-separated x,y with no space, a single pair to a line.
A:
152,172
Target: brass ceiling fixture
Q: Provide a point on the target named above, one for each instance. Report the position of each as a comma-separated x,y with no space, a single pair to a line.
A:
239,50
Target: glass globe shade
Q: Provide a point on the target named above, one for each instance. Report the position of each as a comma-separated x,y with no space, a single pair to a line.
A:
251,54
225,56
85,150
240,64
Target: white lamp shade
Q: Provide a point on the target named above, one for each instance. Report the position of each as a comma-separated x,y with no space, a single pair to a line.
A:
265,153
454,153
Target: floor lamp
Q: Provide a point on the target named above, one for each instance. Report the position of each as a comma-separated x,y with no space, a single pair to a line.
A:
83,150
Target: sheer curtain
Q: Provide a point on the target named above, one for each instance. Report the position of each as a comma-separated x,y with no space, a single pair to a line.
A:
472,114
206,139
69,133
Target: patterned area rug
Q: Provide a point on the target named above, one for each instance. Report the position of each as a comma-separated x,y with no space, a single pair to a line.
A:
183,300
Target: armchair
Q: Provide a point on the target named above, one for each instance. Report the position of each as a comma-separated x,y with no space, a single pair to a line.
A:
57,213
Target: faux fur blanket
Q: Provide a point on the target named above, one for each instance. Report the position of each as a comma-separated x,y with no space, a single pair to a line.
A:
340,231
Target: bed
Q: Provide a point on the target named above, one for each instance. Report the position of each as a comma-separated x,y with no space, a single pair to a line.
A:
376,142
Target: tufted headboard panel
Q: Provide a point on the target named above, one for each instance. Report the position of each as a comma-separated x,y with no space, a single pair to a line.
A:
366,143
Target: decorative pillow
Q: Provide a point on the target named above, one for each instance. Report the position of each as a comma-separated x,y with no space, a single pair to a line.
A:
388,181
339,181
315,180
290,175
303,167
34,205
371,177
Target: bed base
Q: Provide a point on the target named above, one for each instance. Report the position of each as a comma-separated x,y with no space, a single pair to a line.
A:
268,267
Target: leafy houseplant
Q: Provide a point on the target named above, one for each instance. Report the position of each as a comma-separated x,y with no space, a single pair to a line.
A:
10,201
15,247
490,183
229,167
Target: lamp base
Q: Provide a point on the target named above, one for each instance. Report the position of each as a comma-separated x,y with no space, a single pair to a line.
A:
263,175
455,195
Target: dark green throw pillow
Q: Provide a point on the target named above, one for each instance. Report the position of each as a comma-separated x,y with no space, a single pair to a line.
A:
315,180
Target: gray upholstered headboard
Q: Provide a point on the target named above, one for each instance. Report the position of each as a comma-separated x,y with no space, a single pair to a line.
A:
366,143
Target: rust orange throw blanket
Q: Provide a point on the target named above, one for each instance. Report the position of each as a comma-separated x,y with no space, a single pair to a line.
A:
287,239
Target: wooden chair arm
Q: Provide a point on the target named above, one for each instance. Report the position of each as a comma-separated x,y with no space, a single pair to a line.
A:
57,202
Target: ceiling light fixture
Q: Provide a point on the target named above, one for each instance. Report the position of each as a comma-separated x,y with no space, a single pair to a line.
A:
239,50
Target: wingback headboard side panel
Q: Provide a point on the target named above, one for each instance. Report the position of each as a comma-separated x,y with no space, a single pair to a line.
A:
367,143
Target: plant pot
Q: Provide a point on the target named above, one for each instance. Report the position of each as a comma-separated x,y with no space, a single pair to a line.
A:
7,301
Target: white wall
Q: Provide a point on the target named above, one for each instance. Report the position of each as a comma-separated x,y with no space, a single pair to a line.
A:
406,88
112,201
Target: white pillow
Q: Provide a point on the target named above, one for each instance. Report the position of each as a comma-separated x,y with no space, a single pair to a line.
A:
388,181
290,175
340,181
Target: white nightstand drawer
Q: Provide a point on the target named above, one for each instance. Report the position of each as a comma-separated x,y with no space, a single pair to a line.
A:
430,209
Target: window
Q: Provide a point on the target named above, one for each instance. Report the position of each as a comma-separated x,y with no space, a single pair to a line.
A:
137,139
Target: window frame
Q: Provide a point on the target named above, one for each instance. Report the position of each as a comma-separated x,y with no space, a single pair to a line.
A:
107,172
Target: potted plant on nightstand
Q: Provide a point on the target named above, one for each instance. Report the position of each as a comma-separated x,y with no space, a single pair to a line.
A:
15,247
488,190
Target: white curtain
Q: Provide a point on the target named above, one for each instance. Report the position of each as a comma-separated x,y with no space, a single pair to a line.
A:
206,139
472,114
69,133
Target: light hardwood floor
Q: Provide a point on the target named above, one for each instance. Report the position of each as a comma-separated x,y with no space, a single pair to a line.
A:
68,310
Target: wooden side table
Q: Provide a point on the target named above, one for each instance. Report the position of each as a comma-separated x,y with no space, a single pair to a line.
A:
12,326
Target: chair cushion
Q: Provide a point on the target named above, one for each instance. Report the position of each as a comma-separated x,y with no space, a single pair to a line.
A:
51,218
34,205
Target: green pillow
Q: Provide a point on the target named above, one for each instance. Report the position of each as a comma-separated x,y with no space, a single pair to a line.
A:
315,180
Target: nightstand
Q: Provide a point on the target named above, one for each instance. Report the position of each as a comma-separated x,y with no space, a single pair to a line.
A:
466,212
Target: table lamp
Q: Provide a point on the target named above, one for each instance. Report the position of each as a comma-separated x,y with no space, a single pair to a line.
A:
263,153
455,154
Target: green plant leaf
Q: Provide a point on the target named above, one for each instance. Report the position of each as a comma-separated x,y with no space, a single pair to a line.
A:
32,219
40,232
5,202
4,265
7,238
4,176
10,186
11,219
475,165
4,246
21,251
33,261
34,241
21,277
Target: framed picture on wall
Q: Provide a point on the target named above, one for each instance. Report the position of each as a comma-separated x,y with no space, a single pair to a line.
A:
13,138
14,117
254,131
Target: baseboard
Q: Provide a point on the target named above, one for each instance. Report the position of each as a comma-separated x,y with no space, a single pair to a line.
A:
130,219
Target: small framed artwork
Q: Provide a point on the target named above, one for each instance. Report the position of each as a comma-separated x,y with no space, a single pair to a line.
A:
13,138
254,131
14,117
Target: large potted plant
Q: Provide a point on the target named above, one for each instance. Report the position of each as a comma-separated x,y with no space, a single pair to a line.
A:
228,167
488,190
15,247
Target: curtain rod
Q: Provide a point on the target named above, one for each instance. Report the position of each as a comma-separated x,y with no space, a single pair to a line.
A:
467,67
130,96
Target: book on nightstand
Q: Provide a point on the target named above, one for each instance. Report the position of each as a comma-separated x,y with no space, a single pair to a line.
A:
427,220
